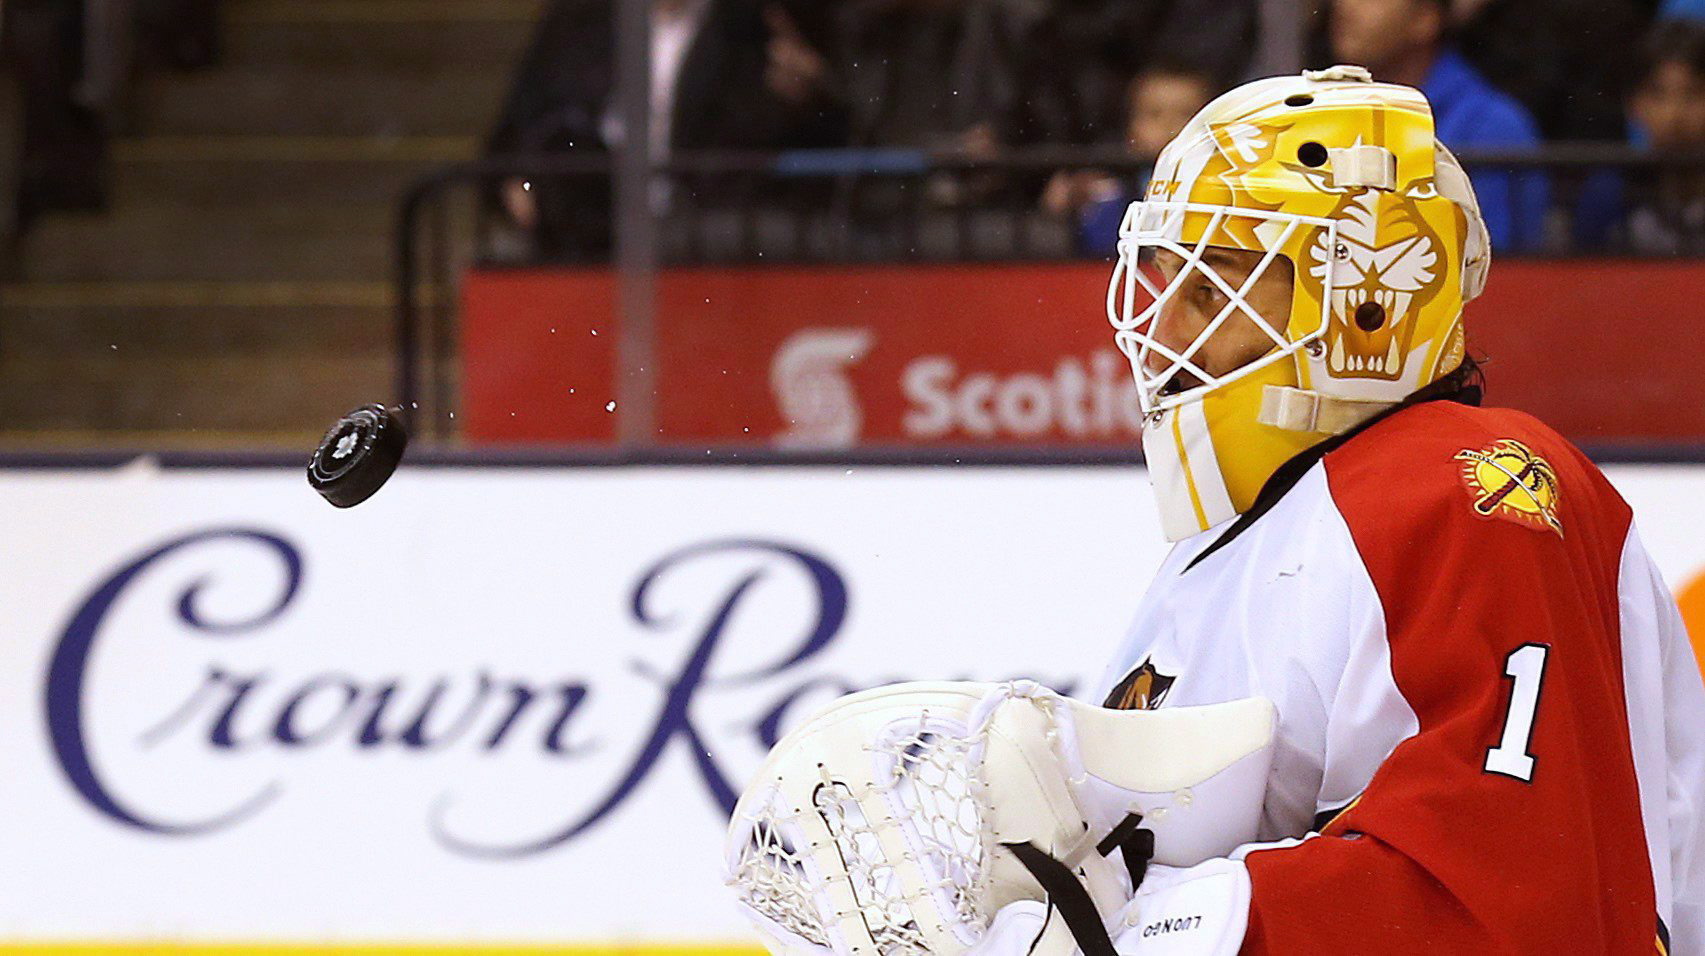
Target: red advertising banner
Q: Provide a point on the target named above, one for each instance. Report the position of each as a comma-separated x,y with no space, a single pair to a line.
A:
835,357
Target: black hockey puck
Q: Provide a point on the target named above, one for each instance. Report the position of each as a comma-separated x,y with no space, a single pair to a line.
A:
358,455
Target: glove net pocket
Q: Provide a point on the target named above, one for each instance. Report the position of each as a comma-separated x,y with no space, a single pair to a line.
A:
913,842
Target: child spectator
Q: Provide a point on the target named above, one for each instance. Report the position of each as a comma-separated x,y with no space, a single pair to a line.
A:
1666,109
1160,101
1081,55
1667,104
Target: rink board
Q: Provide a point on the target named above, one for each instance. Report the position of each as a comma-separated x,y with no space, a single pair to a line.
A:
502,710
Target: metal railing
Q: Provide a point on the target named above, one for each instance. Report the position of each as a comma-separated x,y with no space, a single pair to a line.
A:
828,206
842,206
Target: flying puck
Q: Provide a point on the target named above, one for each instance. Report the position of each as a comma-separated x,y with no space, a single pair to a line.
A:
358,455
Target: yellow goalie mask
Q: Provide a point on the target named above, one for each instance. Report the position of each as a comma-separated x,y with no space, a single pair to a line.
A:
1338,182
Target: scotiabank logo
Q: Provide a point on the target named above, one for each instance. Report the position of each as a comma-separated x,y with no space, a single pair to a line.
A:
1080,399
1085,398
808,377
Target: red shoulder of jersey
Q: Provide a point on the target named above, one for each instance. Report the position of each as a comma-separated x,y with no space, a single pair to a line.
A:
1511,820
1445,469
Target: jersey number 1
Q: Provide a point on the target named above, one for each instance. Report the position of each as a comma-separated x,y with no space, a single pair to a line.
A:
1527,665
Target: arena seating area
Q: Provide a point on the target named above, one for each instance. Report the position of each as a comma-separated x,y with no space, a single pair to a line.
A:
274,183
238,280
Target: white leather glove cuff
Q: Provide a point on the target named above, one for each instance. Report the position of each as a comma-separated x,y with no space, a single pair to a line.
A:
1201,910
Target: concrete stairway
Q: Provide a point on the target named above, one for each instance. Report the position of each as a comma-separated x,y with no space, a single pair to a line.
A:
238,291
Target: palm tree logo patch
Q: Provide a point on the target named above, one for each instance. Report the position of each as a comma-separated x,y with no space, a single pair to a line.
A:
1509,481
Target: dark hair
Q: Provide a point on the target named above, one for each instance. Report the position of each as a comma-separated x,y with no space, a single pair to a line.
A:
1468,380
1670,41
1172,66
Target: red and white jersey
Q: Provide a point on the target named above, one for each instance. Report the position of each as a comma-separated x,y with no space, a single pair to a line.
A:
1492,726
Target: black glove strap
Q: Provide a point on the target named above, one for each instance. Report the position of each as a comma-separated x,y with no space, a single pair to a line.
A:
1065,891
1066,894
1135,844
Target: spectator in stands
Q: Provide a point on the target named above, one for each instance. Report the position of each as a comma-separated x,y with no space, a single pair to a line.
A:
933,74
726,74
1682,10
1159,102
61,162
1566,61
1405,41
1667,113
1667,104
930,76
1081,55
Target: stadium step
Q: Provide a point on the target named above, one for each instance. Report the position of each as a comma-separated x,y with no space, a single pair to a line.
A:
217,175
89,320
231,396
394,36
239,288
239,243
350,102
226,358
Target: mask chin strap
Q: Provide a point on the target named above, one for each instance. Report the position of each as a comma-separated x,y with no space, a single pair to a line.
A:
1294,409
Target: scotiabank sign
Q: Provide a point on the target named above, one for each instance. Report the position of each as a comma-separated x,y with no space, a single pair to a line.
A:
829,357
806,358
1080,399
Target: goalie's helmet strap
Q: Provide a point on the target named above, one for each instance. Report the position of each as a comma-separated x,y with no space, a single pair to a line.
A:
1067,895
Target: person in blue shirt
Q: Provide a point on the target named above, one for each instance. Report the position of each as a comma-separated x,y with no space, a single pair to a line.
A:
1682,10
1407,41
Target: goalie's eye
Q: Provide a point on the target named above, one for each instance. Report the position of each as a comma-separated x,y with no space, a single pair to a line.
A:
1423,189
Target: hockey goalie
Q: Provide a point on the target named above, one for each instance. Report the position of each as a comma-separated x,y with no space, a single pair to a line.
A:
1407,682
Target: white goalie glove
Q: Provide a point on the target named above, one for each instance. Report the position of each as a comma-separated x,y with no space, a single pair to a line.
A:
947,818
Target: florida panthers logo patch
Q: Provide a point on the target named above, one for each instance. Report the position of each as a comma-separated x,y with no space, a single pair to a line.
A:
1509,481
1142,689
